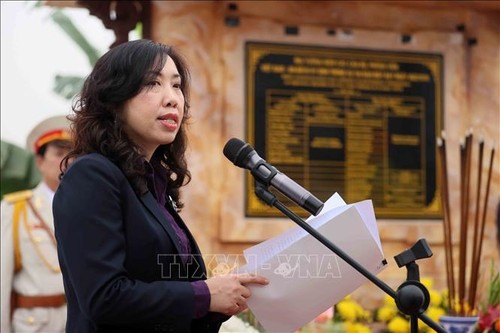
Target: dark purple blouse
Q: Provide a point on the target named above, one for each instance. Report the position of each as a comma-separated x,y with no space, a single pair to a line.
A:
157,185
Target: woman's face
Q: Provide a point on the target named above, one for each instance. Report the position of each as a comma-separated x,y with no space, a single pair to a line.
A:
154,116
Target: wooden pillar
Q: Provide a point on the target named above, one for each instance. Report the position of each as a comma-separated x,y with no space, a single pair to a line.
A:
121,16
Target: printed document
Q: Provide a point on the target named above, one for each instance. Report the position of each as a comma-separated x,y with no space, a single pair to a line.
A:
306,277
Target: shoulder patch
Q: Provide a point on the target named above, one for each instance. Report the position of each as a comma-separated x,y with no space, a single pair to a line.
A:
18,196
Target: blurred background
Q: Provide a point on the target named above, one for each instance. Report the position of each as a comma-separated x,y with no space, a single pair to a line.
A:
47,49
35,49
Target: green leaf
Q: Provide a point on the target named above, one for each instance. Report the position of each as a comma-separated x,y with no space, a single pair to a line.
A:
67,86
61,19
138,29
18,170
494,287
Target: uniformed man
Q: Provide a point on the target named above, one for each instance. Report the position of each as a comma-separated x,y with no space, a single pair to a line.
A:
32,294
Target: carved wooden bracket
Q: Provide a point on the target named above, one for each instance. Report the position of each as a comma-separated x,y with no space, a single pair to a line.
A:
121,16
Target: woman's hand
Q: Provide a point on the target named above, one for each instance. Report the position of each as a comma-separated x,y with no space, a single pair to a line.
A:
228,293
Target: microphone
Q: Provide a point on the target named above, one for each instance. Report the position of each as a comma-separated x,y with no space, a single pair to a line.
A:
244,155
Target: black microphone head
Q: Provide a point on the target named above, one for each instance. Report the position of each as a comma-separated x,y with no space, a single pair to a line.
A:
236,151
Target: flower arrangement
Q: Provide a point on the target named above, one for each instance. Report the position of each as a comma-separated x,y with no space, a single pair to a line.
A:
396,322
489,310
352,316
348,316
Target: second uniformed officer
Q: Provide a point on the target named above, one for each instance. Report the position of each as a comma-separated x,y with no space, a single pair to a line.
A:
32,298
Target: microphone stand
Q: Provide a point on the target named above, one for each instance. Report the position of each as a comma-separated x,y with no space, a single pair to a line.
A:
412,297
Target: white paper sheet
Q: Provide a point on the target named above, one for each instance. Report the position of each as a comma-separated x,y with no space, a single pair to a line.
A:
306,278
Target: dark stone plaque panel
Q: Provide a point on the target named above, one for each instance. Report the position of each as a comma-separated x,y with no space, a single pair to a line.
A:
362,123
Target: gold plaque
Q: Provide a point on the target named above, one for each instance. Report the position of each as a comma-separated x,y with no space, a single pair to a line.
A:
362,123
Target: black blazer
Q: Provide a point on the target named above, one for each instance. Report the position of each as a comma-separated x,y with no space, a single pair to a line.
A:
118,256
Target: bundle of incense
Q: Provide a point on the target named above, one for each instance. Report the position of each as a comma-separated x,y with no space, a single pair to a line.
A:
460,302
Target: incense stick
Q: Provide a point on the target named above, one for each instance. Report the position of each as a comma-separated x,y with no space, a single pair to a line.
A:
462,243
450,279
444,197
485,206
475,250
468,154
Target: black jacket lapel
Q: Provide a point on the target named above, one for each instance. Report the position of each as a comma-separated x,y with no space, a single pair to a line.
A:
194,246
152,205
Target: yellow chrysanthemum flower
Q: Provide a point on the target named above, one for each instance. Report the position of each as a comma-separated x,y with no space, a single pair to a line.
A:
389,300
360,312
357,328
435,312
347,310
349,327
427,282
386,313
398,325
366,315
436,298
